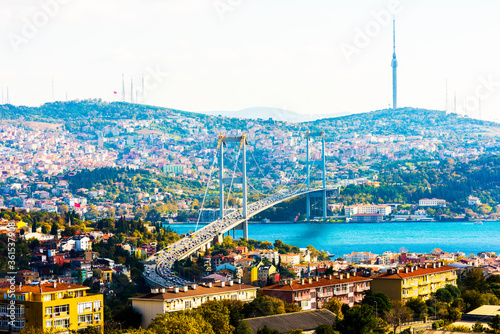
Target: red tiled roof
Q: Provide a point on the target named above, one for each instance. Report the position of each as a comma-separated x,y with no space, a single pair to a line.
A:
296,285
419,272
200,291
45,287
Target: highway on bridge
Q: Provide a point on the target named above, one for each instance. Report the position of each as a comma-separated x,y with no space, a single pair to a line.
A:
158,272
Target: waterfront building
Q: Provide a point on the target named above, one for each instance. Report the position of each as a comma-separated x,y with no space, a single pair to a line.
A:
290,259
161,301
357,257
51,306
382,209
367,218
311,293
432,202
415,281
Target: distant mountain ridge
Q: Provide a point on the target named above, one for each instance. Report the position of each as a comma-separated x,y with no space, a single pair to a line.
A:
276,114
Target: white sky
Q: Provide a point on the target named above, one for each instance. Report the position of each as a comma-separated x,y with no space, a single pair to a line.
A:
235,54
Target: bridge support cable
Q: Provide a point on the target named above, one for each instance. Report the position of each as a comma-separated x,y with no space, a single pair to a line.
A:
308,171
206,191
232,177
261,172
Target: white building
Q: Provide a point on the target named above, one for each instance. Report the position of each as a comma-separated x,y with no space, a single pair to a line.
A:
432,202
161,301
355,209
357,257
474,200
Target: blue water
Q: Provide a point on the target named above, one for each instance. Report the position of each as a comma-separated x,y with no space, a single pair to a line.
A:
340,239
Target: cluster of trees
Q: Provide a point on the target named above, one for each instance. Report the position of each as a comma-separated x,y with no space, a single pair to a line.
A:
449,180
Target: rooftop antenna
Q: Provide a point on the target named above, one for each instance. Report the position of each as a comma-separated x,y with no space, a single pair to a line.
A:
131,90
394,65
123,87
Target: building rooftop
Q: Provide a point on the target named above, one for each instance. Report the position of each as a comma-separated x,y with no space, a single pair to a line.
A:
419,271
297,285
44,287
199,291
305,320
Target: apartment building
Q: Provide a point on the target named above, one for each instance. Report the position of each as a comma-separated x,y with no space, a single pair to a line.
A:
382,209
50,306
416,281
161,301
312,293
432,202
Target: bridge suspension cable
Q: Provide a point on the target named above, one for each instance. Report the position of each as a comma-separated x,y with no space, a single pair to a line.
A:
206,190
232,177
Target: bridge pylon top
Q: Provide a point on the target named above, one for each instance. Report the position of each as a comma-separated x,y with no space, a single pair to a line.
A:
315,134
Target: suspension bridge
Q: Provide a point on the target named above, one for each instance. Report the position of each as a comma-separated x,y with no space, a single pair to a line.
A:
158,272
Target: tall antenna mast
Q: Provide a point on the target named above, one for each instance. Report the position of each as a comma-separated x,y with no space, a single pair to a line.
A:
123,87
131,90
394,65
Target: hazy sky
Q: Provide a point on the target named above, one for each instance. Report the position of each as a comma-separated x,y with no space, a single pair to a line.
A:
311,57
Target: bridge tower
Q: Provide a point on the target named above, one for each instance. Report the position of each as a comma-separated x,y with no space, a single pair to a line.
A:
222,141
308,170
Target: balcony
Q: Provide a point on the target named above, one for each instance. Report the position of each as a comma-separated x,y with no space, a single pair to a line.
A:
341,292
303,297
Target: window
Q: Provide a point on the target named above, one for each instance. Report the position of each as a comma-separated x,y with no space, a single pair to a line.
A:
48,323
97,317
84,307
59,295
61,308
48,310
97,305
47,298
87,318
61,323
78,293
21,297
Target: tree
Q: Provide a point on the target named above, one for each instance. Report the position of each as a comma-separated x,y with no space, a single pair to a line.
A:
216,314
181,322
267,330
474,280
379,301
295,331
398,314
358,319
53,230
262,306
335,306
324,329
444,295
418,307
478,328
495,323
243,328
128,317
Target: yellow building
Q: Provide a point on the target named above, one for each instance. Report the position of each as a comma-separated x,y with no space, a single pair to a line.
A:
105,274
58,306
251,274
263,272
412,282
